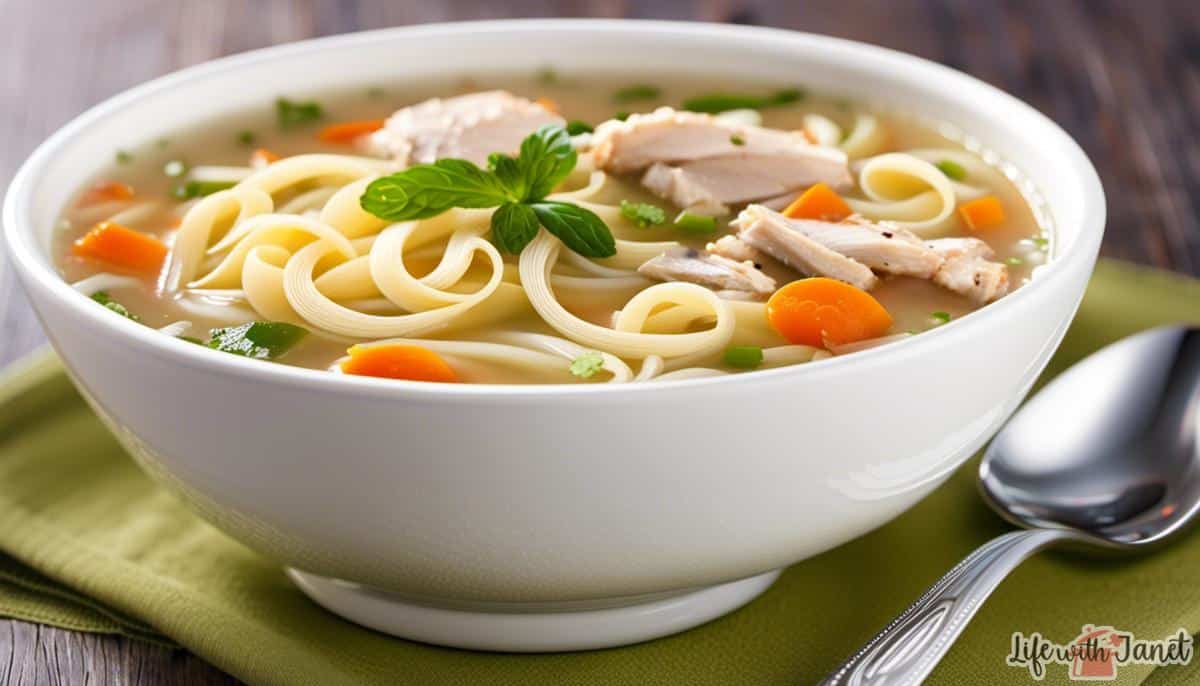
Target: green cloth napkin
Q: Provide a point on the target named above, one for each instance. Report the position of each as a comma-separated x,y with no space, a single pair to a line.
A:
87,542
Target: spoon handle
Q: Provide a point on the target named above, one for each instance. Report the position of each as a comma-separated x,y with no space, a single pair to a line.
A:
908,649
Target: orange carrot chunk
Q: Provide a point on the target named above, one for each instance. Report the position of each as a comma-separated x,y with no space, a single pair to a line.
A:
346,132
819,202
123,247
822,311
547,103
410,362
982,213
106,191
262,157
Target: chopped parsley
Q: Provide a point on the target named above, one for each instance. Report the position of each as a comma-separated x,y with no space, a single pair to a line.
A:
375,92
290,113
260,340
952,170
716,103
1040,241
124,157
940,317
640,91
621,115
642,214
576,127
737,140
586,365
1014,261
199,189
106,300
246,137
547,76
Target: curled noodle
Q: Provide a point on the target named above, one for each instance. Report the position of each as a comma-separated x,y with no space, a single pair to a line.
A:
626,338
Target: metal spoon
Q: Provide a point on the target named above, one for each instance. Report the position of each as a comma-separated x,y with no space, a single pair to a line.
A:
1106,455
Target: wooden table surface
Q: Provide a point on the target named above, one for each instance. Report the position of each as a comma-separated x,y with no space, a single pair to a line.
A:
1122,77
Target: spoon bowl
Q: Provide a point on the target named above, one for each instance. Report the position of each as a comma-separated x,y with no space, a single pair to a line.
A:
1106,456
1109,449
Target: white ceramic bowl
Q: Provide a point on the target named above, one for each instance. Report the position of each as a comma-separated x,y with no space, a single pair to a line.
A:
555,517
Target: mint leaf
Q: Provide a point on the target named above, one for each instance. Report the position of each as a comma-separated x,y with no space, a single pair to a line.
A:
427,190
511,174
578,228
260,340
715,103
586,365
513,226
289,113
517,186
546,158
106,300
642,214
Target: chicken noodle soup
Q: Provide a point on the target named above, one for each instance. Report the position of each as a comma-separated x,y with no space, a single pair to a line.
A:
552,230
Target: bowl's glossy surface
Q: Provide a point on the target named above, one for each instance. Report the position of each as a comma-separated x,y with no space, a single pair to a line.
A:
558,494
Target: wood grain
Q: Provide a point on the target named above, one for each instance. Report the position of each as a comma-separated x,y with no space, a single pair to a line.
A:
1122,77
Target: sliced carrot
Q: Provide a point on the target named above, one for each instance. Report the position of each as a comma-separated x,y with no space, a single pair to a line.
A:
106,191
982,213
547,103
821,312
809,136
123,247
398,362
262,157
346,132
819,202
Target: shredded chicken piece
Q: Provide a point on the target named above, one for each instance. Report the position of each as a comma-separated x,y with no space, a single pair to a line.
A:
469,127
705,163
684,189
734,248
967,269
713,271
882,246
772,233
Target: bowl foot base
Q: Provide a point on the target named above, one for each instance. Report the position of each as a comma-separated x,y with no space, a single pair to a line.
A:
530,627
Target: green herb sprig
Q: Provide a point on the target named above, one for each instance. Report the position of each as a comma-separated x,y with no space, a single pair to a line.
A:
517,186
107,300
642,214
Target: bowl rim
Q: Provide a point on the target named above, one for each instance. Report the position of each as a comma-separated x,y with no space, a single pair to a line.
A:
25,254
